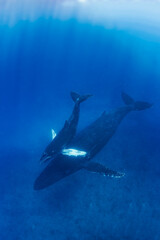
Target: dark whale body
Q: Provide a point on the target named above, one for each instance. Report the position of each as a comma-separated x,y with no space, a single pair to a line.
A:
68,131
91,140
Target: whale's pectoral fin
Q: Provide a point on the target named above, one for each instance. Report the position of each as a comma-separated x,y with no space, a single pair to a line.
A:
99,168
73,152
53,134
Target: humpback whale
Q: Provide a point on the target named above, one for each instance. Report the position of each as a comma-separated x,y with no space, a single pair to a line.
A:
88,143
68,131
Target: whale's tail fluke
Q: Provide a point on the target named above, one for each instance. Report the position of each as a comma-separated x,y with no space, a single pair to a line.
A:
79,98
137,105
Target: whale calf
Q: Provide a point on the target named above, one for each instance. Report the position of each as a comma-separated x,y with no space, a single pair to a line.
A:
64,137
90,141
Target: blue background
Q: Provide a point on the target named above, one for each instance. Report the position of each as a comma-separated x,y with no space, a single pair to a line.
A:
40,63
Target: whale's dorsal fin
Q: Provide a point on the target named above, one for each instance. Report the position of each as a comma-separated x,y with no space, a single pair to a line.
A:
66,124
99,168
53,134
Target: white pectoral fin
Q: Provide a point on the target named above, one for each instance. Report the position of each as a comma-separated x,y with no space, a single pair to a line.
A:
53,134
74,152
99,168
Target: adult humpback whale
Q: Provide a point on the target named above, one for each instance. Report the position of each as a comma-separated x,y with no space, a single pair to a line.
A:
90,140
64,137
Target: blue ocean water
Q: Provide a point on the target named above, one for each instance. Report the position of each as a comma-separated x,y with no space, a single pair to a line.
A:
40,63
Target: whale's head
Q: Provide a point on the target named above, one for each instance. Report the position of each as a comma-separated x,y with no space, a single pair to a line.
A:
45,157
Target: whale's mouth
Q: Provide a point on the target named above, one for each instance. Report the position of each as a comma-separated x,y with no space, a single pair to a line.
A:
45,157
74,152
